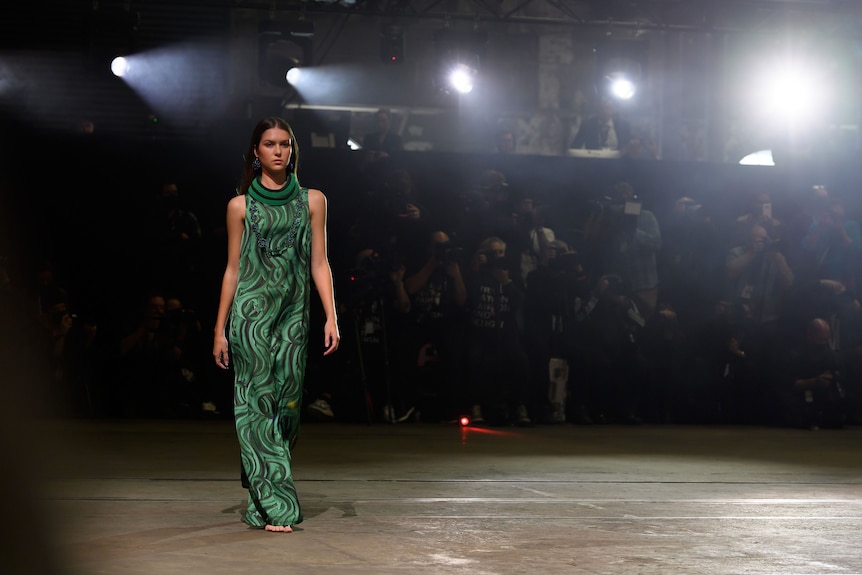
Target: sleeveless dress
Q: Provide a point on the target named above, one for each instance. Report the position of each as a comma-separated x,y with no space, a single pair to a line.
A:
269,339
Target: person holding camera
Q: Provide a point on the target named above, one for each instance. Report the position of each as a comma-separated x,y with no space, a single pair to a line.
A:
759,274
811,392
497,365
72,353
622,238
435,324
834,243
378,303
759,279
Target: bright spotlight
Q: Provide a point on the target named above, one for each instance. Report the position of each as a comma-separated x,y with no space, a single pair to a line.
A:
461,78
791,92
119,66
622,88
294,76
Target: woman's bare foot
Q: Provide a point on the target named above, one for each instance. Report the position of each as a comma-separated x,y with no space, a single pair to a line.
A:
279,528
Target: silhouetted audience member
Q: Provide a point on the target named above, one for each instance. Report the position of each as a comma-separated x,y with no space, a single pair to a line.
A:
604,130
498,367
533,236
759,275
810,391
436,324
149,375
378,305
760,211
73,353
623,239
383,139
834,244
616,366
555,300
759,278
504,141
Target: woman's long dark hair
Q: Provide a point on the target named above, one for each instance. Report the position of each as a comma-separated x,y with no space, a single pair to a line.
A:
265,124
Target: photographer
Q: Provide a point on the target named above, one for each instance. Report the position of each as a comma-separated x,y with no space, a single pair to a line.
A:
555,303
149,374
622,238
833,244
72,353
377,303
810,393
759,277
498,365
759,274
435,324
616,369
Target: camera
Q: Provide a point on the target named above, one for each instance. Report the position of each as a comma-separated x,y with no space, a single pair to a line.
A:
446,252
57,317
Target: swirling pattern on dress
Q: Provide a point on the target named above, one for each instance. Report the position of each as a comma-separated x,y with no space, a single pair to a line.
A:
269,341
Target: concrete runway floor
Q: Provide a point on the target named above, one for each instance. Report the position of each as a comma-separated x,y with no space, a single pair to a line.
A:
164,498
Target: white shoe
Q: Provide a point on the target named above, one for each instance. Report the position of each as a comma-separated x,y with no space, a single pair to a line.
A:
407,415
321,408
209,407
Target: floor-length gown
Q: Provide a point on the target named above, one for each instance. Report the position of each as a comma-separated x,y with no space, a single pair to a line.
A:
269,339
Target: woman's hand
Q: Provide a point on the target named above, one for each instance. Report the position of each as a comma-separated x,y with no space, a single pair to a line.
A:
331,337
220,354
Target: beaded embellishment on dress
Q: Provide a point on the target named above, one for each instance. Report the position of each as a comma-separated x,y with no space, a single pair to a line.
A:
264,243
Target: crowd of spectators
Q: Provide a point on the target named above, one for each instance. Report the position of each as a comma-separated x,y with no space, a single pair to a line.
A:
498,302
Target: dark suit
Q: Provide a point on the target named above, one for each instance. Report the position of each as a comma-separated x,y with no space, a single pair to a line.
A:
593,133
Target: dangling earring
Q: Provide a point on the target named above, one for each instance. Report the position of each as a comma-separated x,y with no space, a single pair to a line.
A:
255,164
290,167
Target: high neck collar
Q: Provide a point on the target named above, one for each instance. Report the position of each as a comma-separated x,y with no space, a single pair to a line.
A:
277,197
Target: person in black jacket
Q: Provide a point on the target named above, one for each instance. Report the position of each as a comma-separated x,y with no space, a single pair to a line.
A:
604,130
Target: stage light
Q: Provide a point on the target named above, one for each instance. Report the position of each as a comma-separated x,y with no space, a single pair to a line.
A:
619,68
791,92
459,56
622,88
462,78
283,47
464,421
119,66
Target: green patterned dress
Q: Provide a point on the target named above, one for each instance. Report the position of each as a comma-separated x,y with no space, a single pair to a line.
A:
269,339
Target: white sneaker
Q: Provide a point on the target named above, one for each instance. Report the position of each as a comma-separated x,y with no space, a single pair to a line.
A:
321,409
407,415
209,407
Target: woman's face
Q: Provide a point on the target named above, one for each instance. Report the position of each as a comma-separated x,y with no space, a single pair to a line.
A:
274,150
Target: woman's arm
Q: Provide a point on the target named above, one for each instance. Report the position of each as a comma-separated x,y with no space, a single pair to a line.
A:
235,227
321,272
